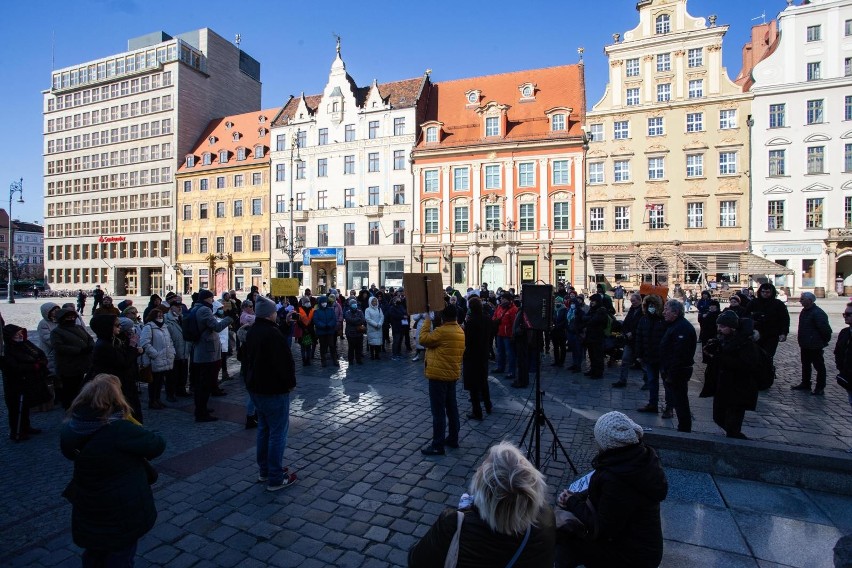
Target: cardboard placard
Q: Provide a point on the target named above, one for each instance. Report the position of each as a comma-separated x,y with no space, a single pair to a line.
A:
418,294
284,286
646,289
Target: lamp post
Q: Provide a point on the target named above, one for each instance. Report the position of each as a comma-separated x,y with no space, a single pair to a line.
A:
294,160
15,187
585,252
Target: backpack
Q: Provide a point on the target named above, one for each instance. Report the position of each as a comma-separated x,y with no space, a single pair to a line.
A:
765,370
189,326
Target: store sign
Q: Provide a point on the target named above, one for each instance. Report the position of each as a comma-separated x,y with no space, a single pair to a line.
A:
813,249
103,239
337,254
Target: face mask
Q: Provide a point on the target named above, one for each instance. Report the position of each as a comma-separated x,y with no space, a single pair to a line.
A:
652,310
353,305
323,304
306,305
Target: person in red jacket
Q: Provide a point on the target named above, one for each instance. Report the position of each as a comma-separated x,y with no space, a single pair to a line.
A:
504,318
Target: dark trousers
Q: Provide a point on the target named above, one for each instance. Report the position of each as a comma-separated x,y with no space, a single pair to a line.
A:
355,350
558,348
71,386
156,386
678,391
19,409
480,393
406,336
596,358
397,342
206,380
109,558
729,418
813,357
442,400
328,343
176,378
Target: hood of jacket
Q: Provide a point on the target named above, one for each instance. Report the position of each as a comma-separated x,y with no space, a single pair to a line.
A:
102,325
766,286
9,331
46,308
637,466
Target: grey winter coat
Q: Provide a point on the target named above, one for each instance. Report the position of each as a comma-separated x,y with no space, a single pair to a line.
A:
176,333
375,319
159,352
208,349
45,327
814,330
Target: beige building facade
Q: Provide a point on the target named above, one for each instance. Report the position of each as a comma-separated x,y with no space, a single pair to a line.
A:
667,183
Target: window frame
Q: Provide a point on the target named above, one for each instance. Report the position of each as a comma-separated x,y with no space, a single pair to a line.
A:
728,218
695,215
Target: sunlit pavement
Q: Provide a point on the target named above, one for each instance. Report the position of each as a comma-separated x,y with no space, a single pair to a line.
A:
366,494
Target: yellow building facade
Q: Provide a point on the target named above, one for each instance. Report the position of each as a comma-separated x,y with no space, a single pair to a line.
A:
667,190
222,240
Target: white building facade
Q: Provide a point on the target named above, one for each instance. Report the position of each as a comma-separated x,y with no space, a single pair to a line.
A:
115,130
28,250
349,203
802,148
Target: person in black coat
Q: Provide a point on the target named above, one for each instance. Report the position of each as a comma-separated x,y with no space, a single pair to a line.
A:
594,326
737,304
843,349
649,333
114,356
24,365
395,314
620,510
628,331
112,502
677,356
771,318
73,347
475,360
504,517
730,377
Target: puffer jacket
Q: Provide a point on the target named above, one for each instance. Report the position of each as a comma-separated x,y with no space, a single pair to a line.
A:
505,318
444,350
173,324
113,505
325,320
159,352
626,490
814,329
731,374
208,349
73,347
770,315
677,350
354,320
43,331
481,547
375,319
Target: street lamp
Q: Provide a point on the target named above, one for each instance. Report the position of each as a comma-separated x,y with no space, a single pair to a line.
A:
15,187
295,159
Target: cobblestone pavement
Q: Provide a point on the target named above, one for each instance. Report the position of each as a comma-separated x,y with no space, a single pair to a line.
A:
366,494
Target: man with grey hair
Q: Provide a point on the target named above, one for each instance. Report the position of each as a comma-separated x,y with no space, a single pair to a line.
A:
677,355
814,334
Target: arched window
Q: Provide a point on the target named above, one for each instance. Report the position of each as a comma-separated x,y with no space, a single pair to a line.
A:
663,24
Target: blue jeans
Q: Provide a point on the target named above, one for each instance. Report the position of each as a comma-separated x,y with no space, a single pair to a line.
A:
273,424
626,361
250,409
442,400
575,346
505,355
110,558
652,375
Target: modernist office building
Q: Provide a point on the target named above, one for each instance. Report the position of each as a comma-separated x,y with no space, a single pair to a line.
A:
115,131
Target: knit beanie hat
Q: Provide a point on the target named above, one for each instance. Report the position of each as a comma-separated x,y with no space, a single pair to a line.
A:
597,298
204,294
615,430
728,318
264,307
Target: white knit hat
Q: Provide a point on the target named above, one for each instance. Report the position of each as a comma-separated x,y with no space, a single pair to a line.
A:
616,430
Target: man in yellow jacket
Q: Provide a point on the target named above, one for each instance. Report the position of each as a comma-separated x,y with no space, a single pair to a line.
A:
444,351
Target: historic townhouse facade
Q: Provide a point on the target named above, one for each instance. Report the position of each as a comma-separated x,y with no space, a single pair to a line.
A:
28,249
223,207
667,164
342,185
802,148
115,131
498,177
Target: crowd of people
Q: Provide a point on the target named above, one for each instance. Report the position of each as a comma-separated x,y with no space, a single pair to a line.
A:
183,351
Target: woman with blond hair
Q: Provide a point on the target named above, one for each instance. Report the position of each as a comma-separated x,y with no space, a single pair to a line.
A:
113,506
507,523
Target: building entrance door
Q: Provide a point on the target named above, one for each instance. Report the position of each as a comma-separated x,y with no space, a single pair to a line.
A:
493,272
131,280
156,281
221,282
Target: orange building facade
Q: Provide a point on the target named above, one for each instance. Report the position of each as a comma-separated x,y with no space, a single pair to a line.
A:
498,180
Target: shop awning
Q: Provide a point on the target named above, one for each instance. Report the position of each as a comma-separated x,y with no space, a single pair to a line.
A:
750,264
708,263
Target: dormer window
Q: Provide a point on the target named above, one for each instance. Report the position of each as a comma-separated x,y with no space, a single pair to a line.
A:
663,24
432,134
241,154
261,119
229,125
206,159
557,122
527,92
472,97
211,140
261,132
335,106
223,156
258,152
492,126
190,161
236,136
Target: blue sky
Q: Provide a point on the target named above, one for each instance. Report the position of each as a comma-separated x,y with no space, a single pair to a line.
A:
294,43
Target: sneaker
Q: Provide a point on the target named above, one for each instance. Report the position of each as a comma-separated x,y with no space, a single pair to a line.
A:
289,479
262,478
415,358
801,387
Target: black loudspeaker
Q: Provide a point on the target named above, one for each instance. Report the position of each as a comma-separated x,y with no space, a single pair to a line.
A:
537,304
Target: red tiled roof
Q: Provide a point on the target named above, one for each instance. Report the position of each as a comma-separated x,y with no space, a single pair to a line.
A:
555,87
399,94
248,127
